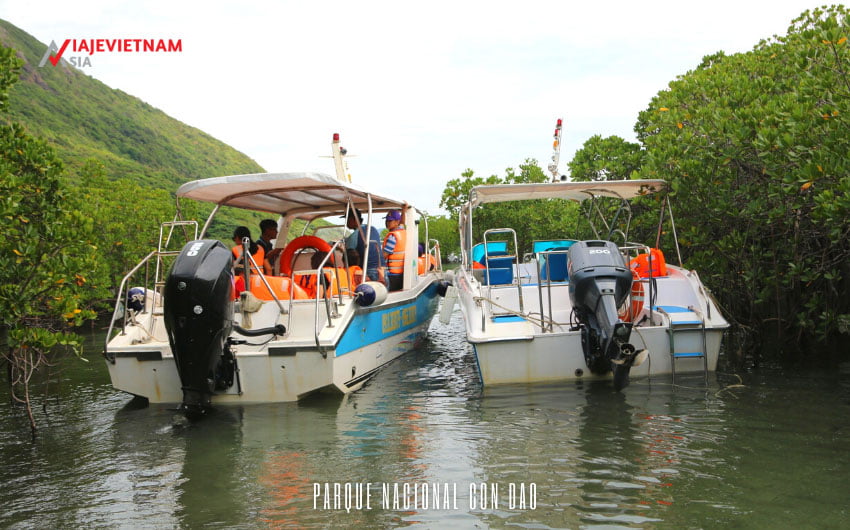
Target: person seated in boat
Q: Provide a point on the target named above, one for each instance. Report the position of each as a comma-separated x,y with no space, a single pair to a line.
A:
268,232
256,251
355,272
425,262
375,267
393,249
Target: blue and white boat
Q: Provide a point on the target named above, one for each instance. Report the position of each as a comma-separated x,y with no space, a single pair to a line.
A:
184,337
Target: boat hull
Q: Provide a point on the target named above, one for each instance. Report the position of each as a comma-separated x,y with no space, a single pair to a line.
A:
511,349
363,340
558,357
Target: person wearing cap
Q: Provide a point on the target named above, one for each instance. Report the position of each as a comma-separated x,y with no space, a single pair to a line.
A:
375,268
393,249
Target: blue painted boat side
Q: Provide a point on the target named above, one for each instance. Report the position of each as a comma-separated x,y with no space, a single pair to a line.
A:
374,325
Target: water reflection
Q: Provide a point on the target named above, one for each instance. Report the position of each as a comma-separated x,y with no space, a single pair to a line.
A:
769,453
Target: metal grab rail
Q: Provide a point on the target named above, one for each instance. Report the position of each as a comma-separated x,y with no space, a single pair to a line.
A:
546,319
434,250
514,265
119,300
159,253
322,292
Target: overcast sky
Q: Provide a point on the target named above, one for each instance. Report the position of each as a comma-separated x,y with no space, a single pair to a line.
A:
419,91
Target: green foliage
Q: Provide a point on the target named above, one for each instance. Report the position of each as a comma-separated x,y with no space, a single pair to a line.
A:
546,219
139,147
456,192
69,235
443,229
44,249
126,217
610,158
755,148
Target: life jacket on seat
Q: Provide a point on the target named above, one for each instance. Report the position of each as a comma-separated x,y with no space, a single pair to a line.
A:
307,280
395,261
280,287
279,284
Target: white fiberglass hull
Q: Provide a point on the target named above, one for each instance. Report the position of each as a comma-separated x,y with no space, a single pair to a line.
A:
512,349
559,357
361,341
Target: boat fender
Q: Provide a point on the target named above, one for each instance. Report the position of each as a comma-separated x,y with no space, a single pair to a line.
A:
370,293
442,288
136,299
448,305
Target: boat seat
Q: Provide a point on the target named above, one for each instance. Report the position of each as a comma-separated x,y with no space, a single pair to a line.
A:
553,266
501,270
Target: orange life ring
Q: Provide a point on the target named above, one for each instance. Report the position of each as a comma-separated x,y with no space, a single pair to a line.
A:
631,310
297,244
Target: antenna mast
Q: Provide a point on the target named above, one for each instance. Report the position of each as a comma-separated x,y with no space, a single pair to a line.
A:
556,154
340,164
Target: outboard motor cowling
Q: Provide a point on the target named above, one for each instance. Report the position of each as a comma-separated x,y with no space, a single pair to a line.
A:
600,282
198,311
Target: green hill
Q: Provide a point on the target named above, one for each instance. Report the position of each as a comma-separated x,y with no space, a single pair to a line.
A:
83,120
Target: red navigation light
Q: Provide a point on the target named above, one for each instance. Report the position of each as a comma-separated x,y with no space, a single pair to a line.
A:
559,122
336,137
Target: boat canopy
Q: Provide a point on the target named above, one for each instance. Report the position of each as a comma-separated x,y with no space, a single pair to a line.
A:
303,195
574,191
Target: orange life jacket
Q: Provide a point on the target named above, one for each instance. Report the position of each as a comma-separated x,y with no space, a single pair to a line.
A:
430,260
280,286
640,264
395,261
307,280
259,257
356,275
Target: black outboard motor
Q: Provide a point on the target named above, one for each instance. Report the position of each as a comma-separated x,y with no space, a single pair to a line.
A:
198,312
600,281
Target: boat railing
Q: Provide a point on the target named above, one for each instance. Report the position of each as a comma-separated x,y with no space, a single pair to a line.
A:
249,265
512,258
630,249
152,286
545,276
325,293
434,250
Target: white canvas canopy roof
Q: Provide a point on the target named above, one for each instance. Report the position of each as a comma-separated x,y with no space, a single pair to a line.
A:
574,191
305,195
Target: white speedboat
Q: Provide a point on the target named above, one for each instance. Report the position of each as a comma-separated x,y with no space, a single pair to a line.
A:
185,337
567,309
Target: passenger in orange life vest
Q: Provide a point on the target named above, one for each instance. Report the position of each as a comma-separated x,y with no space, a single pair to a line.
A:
393,249
354,270
256,251
425,262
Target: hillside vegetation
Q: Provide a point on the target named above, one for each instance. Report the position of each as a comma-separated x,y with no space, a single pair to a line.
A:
133,143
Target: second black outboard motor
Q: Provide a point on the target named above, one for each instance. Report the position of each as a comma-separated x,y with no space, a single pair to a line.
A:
198,312
600,281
